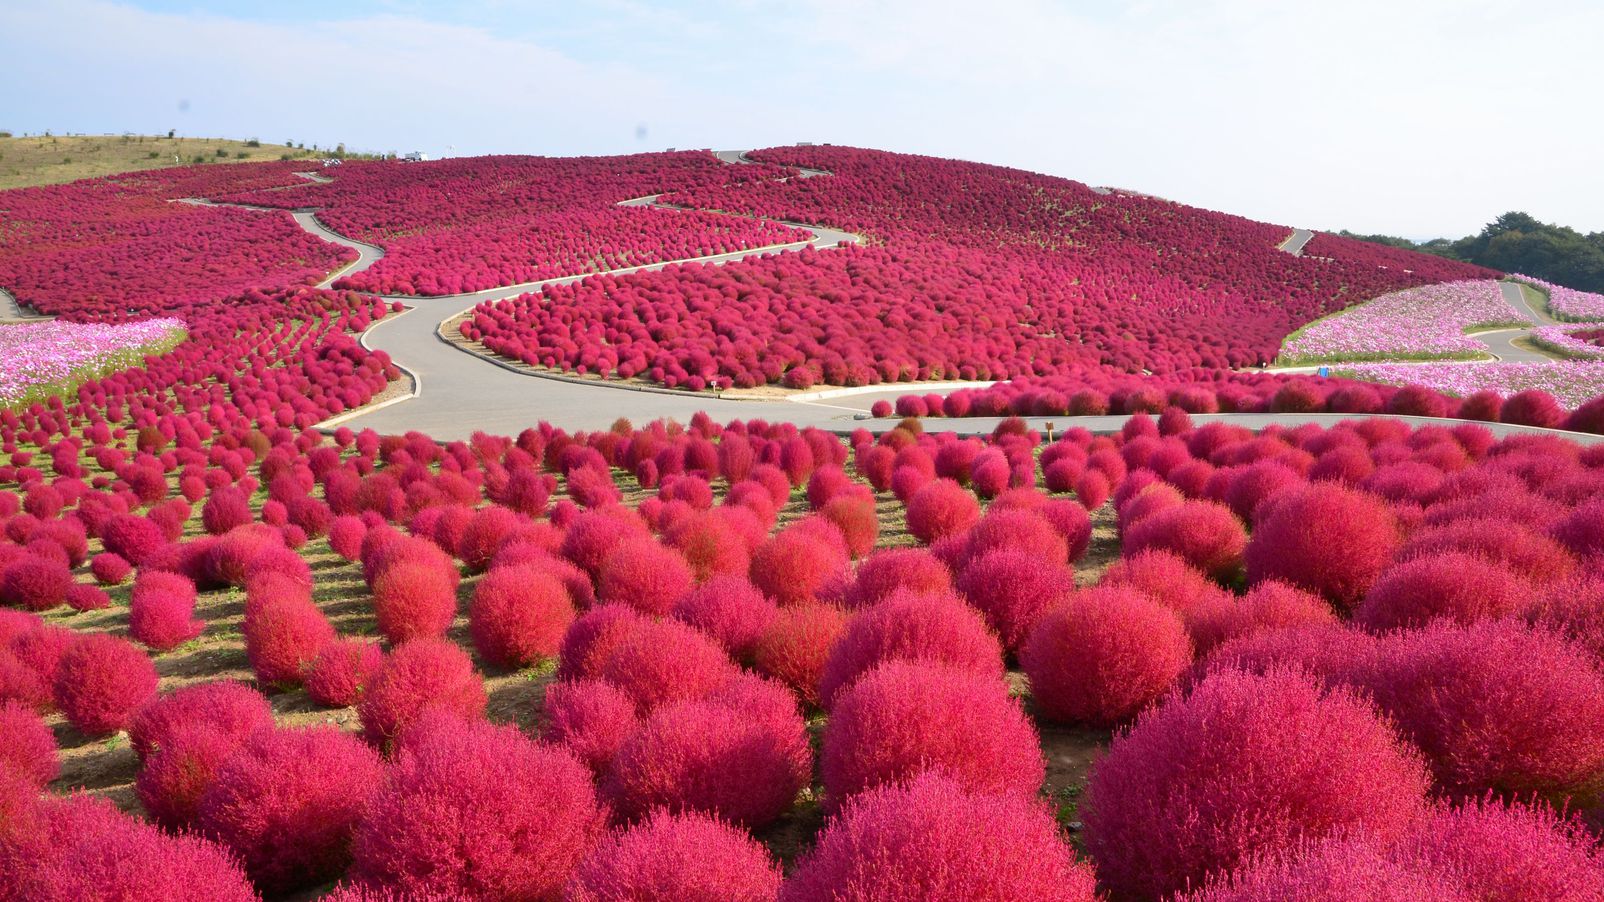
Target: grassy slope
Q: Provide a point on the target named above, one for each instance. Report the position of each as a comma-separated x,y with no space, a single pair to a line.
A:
29,161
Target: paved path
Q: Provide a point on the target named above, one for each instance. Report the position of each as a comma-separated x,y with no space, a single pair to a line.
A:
1296,241
13,312
740,156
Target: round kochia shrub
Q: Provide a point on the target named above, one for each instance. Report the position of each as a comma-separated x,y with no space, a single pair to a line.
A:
731,610
667,857
742,759
1331,870
933,838
1164,577
590,718
420,676
1104,655
342,670
1243,766
644,575
1452,586
796,562
1508,852
475,811
415,597
1204,534
101,681
287,802
936,629
1324,538
27,747
903,718
519,615
161,610
1496,706
1014,589
941,508
233,709
660,662
796,645
173,779
884,572
284,631
88,850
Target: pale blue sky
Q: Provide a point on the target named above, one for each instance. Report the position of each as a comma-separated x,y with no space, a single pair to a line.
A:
1416,117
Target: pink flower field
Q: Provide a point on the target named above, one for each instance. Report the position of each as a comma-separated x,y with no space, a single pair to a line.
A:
1420,323
40,359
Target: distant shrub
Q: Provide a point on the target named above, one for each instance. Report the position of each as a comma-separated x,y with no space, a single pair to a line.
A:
1326,539
1104,655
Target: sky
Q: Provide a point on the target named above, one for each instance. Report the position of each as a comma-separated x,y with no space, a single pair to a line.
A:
1419,118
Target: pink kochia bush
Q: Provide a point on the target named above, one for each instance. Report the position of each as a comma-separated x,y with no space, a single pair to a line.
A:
1014,589
284,630
1244,766
420,676
101,681
519,615
343,669
1452,586
644,575
1326,539
82,847
796,646
1103,655
731,610
471,810
415,594
740,754
161,610
589,718
676,858
1206,535
287,802
903,718
931,837
1496,706
27,747
935,629
232,709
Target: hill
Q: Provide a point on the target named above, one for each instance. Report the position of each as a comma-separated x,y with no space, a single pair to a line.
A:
1519,242
33,160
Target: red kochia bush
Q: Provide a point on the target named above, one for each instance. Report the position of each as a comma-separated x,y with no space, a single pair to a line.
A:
665,661
172,779
101,681
932,838
415,597
284,631
225,509
590,718
94,851
161,610
1206,535
109,569
941,508
1583,531
1165,577
1324,538
935,629
883,572
1243,766
742,759
1462,588
233,709
796,645
903,718
1508,852
591,639
1014,589
1496,706
35,583
519,615
1269,605
644,575
686,857
1104,655
1331,870
731,610
793,564
27,747
420,676
287,802
132,537
476,811
342,670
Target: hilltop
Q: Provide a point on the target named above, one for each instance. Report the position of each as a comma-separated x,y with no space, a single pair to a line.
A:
31,160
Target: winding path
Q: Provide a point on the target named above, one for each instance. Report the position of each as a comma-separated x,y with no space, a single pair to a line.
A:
457,392
1295,242
13,312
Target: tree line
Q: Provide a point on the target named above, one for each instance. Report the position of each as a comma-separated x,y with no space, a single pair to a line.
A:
1518,242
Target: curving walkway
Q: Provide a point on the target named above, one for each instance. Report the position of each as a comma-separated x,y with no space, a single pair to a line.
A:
1296,241
12,311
